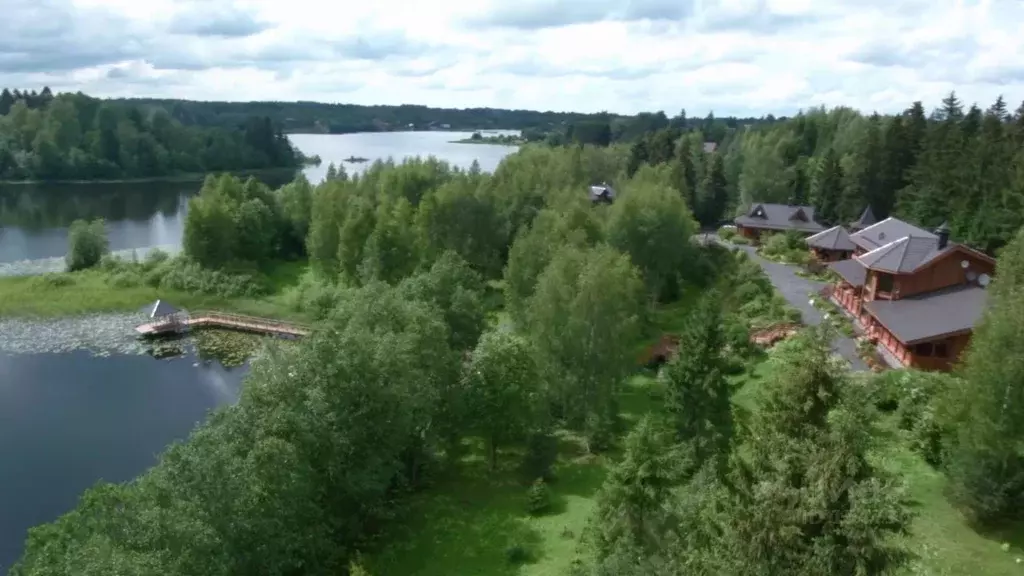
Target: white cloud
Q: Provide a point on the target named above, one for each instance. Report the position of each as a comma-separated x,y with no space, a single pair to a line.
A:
736,57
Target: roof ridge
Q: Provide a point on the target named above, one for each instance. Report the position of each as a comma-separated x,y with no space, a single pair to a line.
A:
890,245
862,231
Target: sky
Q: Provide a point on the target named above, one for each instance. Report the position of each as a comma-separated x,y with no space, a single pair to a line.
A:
732,57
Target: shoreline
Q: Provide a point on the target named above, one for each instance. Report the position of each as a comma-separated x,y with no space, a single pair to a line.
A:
189,177
492,143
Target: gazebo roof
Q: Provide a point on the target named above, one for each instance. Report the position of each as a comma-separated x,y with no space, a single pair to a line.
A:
159,309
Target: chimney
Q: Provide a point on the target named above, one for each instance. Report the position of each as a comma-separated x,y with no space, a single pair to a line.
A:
943,233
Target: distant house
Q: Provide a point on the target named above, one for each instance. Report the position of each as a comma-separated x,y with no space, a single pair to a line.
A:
832,245
602,194
915,292
764,217
710,147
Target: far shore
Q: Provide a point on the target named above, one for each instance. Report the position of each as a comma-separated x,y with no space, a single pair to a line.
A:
189,177
486,141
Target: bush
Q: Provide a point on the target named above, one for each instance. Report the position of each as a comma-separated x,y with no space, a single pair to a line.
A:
727,233
87,243
538,498
187,276
913,397
313,295
52,281
741,240
517,554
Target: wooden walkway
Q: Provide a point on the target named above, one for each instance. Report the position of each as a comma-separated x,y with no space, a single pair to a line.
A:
210,319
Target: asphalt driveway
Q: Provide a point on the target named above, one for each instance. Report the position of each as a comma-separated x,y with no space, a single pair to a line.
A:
797,291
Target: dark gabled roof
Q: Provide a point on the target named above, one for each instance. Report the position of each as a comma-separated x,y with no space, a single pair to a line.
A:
780,217
904,255
835,238
867,218
887,231
923,318
602,192
159,309
850,270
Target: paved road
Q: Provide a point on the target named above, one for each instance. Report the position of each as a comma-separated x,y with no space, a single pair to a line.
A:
797,291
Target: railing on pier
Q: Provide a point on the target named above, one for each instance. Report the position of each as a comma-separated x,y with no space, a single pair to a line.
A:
214,319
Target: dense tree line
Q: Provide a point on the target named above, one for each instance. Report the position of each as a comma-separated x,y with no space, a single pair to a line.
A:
74,136
316,117
323,444
954,164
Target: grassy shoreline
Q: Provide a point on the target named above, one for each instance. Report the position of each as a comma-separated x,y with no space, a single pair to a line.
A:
91,291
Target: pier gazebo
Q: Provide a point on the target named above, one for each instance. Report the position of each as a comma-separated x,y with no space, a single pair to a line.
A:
163,318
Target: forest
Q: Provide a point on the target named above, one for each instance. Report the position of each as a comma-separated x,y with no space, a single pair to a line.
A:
474,398
958,164
76,137
316,117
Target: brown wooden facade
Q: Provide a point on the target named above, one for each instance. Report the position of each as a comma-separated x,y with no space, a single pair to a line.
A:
752,234
826,255
939,353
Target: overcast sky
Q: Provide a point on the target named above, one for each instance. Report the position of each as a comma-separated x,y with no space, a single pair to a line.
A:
736,57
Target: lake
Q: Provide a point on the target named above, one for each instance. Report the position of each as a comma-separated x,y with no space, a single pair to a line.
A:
34,218
68,420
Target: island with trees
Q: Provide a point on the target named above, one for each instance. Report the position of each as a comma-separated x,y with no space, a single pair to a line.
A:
497,139
76,137
478,394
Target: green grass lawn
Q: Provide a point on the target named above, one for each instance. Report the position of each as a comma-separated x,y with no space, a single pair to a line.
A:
467,522
941,538
89,291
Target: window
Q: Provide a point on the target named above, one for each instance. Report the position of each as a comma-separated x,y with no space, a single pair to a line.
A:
926,349
941,350
885,283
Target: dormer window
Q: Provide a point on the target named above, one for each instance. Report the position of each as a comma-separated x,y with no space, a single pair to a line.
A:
799,215
758,212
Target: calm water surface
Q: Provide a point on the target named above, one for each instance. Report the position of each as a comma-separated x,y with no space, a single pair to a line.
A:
34,219
69,420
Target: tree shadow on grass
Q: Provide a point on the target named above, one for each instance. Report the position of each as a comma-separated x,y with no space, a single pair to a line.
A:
473,522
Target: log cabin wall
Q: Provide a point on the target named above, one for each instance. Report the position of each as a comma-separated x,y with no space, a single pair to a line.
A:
943,274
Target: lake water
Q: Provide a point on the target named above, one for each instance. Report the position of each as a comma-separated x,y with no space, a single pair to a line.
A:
69,420
34,218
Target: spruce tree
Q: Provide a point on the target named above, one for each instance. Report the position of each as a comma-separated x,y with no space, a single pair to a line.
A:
806,501
699,398
828,189
986,468
633,506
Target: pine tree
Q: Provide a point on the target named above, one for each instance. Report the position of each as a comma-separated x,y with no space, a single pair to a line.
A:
698,395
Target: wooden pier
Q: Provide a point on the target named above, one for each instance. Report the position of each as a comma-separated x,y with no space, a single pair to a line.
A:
209,319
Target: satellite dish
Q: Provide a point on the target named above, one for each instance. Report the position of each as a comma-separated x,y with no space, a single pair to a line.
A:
984,279
964,264
972,275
